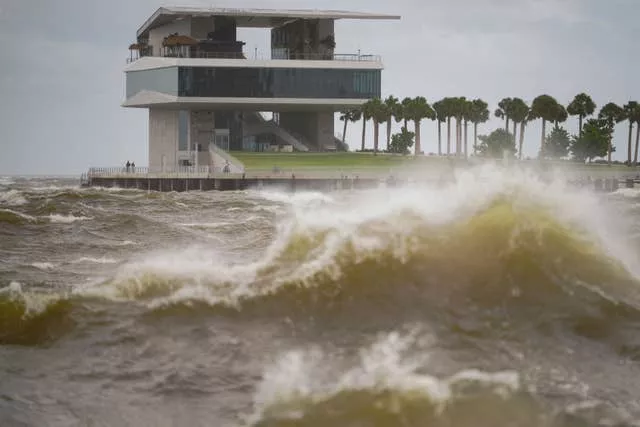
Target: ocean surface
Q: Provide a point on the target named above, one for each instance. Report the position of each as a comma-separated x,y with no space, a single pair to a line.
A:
499,299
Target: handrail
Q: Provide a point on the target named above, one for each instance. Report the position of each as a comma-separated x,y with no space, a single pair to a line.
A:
144,172
346,57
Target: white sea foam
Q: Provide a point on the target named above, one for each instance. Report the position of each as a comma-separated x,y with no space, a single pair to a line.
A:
12,198
390,364
66,219
126,243
632,193
44,265
298,198
34,303
205,274
206,224
93,260
6,181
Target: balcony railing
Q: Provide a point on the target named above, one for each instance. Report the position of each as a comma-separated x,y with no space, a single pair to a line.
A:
143,172
348,57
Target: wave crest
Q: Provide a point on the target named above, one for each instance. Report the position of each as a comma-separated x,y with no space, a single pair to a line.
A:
475,244
386,387
28,318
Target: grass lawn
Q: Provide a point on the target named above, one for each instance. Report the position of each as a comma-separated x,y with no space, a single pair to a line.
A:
321,164
322,160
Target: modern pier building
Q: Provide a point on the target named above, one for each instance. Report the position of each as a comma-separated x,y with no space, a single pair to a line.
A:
206,97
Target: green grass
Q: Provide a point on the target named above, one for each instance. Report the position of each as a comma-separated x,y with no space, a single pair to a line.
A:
321,160
336,162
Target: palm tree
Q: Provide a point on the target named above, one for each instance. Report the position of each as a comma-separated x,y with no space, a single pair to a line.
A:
519,114
417,110
544,107
561,115
611,114
629,113
393,110
581,106
366,115
441,117
351,115
379,114
479,114
503,111
467,115
405,105
459,106
447,107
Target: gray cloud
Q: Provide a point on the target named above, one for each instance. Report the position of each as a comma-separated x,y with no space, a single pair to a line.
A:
61,79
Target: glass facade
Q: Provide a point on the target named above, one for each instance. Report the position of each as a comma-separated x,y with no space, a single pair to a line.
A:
164,80
249,82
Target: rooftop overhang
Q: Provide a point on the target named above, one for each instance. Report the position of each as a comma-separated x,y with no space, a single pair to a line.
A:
149,99
252,18
153,62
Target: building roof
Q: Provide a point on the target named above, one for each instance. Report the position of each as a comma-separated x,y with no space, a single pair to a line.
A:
257,18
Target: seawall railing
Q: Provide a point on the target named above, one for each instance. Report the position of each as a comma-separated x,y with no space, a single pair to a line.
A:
144,172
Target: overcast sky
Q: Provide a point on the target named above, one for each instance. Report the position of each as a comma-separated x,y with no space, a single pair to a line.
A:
62,80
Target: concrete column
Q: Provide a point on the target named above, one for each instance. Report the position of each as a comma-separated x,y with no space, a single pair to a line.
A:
163,139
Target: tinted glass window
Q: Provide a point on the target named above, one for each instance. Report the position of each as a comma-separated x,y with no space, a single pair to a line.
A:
278,82
162,80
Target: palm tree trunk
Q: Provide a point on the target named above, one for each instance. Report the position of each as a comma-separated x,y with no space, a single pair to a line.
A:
458,133
344,131
388,133
506,123
417,128
544,131
514,132
475,138
364,131
580,126
521,139
609,149
630,138
635,156
376,132
448,136
466,140
439,138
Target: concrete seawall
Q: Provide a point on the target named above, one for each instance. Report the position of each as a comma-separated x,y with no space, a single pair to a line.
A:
296,184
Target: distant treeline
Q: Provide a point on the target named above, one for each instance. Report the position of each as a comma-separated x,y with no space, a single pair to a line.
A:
594,139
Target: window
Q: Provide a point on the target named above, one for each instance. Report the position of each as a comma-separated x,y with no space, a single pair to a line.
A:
250,82
164,80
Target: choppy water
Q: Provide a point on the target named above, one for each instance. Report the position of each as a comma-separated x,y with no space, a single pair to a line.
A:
500,300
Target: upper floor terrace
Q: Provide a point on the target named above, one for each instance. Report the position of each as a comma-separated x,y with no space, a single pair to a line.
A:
212,33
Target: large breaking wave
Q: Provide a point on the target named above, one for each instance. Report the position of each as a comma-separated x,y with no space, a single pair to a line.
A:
494,238
491,236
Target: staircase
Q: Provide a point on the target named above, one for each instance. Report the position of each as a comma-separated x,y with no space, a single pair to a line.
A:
221,158
261,125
